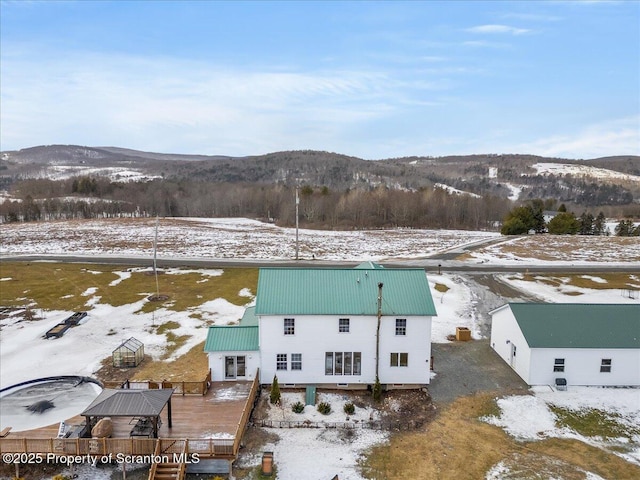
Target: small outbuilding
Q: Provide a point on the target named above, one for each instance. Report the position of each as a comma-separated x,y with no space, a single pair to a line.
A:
570,343
129,353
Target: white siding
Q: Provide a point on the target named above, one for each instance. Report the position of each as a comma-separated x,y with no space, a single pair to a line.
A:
217,364
505,335
417,343
582,366
317,334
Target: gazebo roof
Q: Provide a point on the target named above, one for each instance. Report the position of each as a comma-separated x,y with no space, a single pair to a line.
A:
128,403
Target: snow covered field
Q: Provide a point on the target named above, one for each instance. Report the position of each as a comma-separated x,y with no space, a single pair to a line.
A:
245,239
459,305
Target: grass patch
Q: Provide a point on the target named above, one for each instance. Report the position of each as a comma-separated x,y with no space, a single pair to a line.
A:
174,342
585,457
608,281
52,286
165,327
192,366
592,422
60,286
458,445
442,288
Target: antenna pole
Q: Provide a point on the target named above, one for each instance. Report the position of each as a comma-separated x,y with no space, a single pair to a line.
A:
297,208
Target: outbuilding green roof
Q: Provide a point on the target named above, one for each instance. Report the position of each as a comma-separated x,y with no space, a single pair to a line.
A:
320,291
232,338
578,325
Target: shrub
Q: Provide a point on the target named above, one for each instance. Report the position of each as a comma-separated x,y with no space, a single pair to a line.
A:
298,407
324,408
377,390
349,408
275,391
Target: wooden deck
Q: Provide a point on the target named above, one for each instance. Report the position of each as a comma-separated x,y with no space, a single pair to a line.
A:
210,425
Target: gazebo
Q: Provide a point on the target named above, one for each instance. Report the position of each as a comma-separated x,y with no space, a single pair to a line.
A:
128,354
146,405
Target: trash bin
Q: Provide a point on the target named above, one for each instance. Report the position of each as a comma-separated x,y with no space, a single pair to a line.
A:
267,464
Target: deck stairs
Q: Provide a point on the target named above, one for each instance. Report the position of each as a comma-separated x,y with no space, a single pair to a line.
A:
167,470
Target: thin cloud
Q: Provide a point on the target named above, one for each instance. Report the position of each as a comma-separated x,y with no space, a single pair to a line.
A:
498,29
598,140
533,17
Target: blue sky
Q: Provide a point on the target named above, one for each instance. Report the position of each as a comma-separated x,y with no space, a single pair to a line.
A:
369,79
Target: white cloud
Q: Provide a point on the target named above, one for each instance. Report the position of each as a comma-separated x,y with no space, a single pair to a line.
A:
598,140
498,29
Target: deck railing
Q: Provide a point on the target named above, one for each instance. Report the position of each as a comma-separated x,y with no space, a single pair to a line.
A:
181,388
246,412
204,447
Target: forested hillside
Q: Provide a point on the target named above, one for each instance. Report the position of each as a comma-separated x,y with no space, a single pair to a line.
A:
336,191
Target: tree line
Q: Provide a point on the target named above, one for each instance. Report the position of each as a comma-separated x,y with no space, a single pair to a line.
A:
531,217
320,206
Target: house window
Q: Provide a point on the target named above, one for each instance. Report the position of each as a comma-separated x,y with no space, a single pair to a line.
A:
328,363
605,365
357,363
558,365
337,363
401,326
343,325
400,359
289,326
281,361
342,363
296,361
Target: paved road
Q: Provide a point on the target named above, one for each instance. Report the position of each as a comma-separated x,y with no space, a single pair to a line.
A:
465,368
430,265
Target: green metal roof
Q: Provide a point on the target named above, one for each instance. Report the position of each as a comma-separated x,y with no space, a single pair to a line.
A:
309,291
249,318
232,338
578,325
367,265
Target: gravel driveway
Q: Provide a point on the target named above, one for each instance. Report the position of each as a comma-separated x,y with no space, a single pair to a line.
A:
465,368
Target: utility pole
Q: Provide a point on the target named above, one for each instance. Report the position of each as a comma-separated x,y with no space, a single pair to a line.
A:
297,208
155,250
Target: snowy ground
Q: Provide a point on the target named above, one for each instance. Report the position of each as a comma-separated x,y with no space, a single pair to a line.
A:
244,239
332,453
528,417
222,238
319,453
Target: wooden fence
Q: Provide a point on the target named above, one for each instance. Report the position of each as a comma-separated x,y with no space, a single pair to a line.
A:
246,411
310,424
204,447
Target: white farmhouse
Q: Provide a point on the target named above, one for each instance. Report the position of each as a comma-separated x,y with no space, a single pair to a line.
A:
580,344
332,328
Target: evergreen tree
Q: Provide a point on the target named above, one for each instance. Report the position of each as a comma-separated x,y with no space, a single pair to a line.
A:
625,228
274,397
564,223
377,390
586,224
599,224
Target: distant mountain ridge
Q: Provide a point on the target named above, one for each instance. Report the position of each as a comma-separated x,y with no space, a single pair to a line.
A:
501,175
